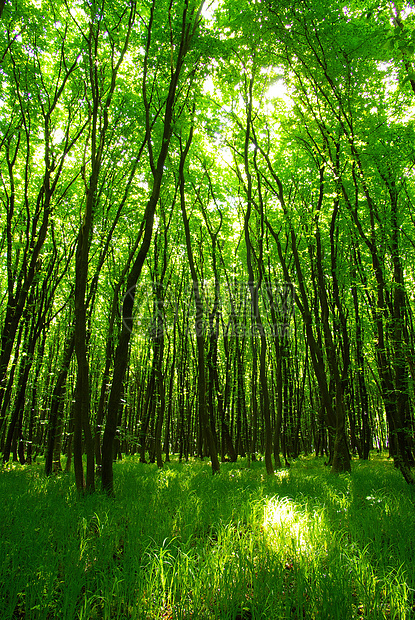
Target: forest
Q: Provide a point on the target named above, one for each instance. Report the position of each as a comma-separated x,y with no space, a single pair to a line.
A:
207,266
207,233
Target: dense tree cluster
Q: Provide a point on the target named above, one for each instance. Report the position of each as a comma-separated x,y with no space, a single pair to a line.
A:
208,231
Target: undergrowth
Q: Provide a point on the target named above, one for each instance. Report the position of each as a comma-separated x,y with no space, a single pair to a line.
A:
181,544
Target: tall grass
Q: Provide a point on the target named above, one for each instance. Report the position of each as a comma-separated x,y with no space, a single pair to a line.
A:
178,543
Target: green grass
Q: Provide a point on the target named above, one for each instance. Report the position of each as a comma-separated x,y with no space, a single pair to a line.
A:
178,543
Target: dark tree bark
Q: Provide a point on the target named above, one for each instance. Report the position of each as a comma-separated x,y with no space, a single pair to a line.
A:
362,400
99,128
190,22
389,371
22,272
341,456
205,423
254,286
34,316
56,409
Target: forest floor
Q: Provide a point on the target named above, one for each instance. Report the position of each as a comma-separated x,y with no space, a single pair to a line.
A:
179,543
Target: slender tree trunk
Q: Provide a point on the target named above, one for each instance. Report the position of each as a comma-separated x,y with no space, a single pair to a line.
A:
341,456
29,342
362,400
204,421
56,409
254,288
189,27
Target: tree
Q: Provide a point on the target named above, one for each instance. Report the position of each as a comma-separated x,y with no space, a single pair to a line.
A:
261,157
188,23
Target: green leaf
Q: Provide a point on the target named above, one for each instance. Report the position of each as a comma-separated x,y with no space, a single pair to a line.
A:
407,78
389,44
407,49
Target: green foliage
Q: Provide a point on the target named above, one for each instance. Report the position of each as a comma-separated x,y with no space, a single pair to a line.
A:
179,543
301,114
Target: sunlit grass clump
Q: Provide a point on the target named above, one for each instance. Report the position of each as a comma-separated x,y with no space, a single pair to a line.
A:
178,543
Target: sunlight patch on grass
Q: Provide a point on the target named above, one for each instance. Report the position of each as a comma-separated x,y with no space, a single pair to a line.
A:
284,524
297,532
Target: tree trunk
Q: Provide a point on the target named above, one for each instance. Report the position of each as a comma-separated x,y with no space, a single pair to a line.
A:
56,409
207,431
